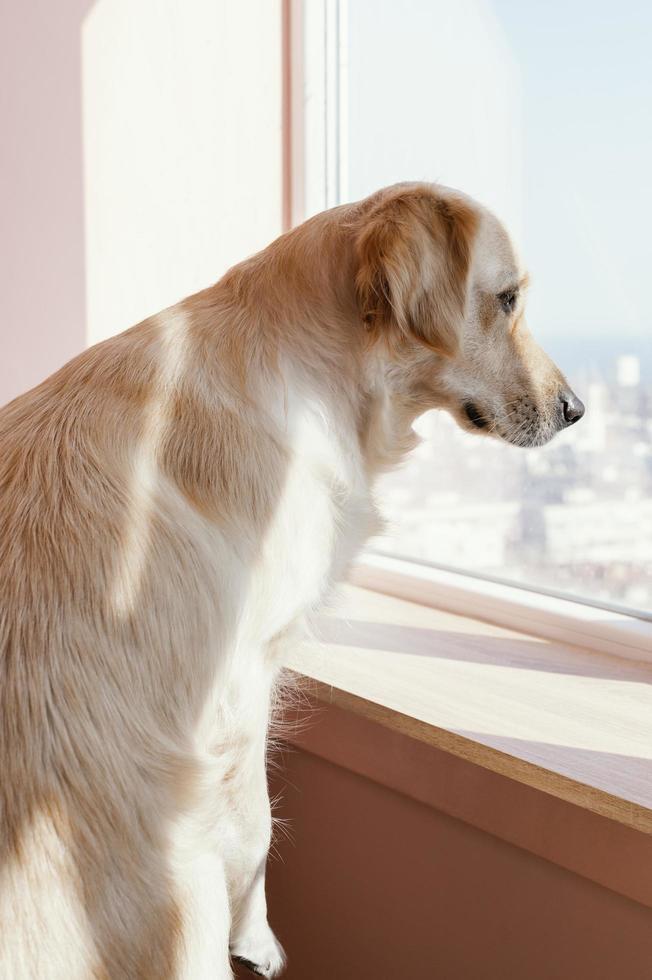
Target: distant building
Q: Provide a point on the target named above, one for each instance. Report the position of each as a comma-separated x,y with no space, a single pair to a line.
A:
628,371
574,516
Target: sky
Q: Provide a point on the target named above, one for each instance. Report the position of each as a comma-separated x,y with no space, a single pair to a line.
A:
543,110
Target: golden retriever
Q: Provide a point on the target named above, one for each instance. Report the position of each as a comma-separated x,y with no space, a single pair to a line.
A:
173,502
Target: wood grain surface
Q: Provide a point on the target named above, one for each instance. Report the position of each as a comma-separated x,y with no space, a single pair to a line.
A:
568,721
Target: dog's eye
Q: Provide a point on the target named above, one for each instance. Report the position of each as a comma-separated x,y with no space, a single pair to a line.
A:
508,300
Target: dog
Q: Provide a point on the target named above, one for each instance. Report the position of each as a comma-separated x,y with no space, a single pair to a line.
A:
174,503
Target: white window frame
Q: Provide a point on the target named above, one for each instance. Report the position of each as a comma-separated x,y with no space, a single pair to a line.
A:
317,156
544,615
316,169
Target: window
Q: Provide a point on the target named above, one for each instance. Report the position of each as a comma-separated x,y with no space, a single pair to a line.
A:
541,111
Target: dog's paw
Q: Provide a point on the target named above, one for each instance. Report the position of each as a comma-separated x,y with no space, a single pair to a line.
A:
260,952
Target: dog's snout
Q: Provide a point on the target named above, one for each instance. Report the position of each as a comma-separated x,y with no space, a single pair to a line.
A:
572,407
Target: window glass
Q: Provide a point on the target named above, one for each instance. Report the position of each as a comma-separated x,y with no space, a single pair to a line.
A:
542,111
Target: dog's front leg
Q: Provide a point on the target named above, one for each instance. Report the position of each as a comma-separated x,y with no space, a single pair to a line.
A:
252,940
250,828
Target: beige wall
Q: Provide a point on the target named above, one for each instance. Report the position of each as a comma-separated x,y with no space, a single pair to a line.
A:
182,137
140,157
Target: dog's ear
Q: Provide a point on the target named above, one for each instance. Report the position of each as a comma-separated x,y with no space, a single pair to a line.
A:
413,253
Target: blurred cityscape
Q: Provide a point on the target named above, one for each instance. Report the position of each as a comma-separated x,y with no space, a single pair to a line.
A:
574,516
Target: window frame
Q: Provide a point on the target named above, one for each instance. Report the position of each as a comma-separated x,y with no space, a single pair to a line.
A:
314,169
526,610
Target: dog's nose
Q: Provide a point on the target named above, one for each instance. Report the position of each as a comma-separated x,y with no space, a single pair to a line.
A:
572,407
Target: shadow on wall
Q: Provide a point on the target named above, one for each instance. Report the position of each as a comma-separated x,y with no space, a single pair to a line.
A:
42,246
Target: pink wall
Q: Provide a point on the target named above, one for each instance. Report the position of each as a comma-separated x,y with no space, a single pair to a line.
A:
42,323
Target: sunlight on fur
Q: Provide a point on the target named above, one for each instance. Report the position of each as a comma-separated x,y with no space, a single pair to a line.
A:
146,475
45,879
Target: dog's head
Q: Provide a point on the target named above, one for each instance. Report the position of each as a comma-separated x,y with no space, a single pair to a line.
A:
439,285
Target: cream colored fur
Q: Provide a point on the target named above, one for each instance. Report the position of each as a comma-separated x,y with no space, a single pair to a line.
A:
173,503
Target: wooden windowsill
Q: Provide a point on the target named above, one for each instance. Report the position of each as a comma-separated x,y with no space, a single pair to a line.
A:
566,721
